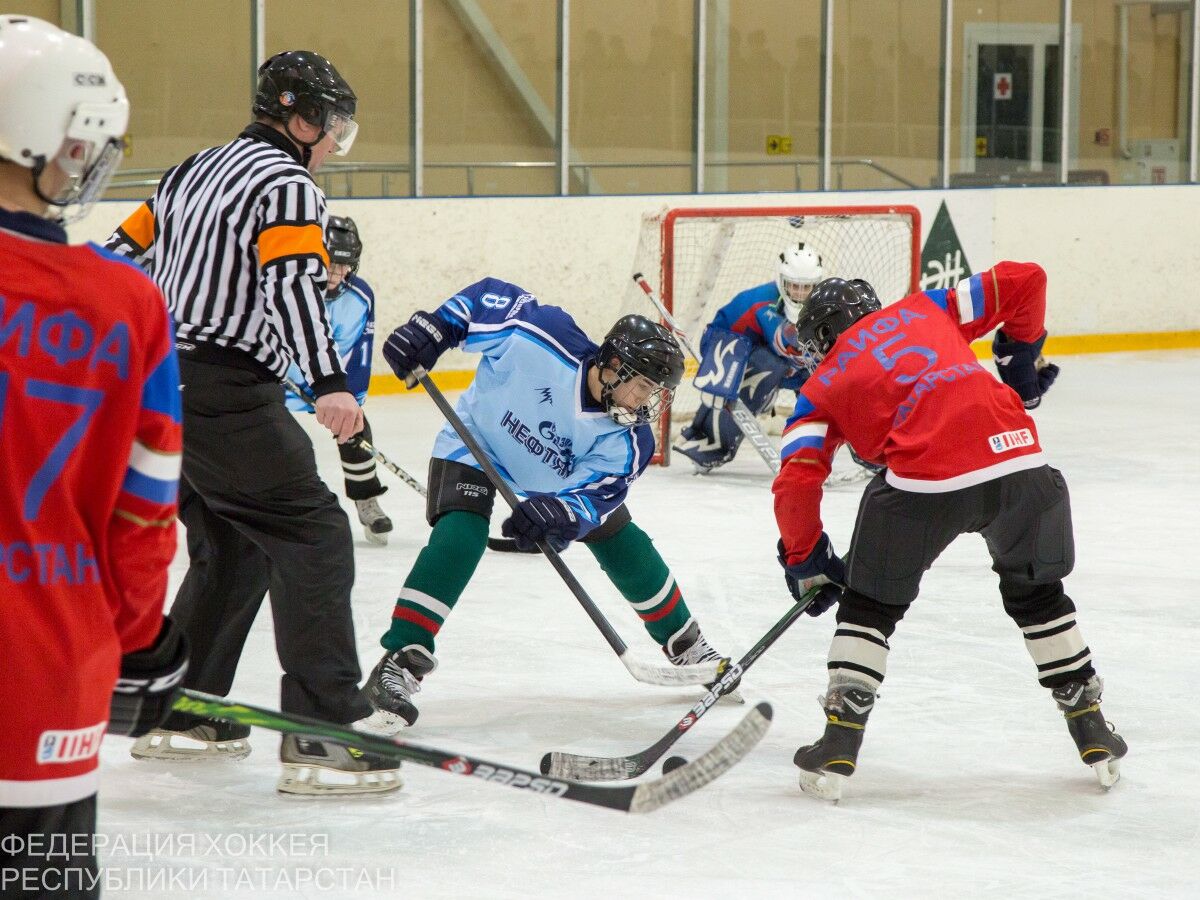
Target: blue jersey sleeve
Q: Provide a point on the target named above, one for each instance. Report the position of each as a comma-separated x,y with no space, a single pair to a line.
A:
486,316
606,473
354,332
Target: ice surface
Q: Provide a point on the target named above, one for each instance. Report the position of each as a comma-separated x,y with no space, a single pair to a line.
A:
969,785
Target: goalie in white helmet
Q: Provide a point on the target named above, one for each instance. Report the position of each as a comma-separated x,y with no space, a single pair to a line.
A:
749,351
800,269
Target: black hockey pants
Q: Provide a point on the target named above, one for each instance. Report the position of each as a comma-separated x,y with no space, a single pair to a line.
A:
259,517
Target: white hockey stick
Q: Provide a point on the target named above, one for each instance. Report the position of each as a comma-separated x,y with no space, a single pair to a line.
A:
745,420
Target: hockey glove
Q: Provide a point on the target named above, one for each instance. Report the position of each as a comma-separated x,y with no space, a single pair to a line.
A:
544,518
1023,368
416,344
823,568
145,689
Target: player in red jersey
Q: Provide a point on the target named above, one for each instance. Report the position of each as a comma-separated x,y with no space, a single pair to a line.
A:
90,449
902,385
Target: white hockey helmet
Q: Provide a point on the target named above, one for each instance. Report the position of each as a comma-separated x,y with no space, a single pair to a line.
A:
59,102
799,270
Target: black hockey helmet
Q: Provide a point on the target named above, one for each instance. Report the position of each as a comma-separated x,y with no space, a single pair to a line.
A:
304,83
834,305
645,348
343,243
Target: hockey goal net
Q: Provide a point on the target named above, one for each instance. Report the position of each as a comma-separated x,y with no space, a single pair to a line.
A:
698,259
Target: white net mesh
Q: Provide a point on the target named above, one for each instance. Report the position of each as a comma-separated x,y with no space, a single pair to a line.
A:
698,259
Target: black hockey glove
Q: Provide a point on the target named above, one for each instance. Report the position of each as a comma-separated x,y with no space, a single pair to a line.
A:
146,687
823,569
1023,368
544,518
416,344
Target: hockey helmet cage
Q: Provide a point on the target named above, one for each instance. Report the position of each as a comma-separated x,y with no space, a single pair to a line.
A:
63,104
835,305
645,348
343,243
799,265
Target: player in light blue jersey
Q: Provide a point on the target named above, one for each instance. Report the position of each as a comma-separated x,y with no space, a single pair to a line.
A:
749,351
568,425
350,305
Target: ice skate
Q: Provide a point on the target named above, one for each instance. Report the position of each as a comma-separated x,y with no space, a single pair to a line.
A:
704,454
1099,745
376,524
319,767
183,737
396,678
825,765
688,646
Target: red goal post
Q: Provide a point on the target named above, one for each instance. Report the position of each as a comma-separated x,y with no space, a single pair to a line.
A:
703,256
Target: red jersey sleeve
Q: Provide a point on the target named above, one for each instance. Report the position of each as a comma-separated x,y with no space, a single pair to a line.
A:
1011,295
141,532
810,441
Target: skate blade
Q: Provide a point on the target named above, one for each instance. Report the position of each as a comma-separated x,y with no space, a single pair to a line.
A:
824,785
379,540
306,781
1108,771
162,746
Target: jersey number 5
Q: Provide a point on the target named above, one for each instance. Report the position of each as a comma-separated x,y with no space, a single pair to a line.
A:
88,399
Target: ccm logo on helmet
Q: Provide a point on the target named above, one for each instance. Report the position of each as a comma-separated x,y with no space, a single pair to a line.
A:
90,79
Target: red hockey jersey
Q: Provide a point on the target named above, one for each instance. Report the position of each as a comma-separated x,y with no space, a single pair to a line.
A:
90,444
903,388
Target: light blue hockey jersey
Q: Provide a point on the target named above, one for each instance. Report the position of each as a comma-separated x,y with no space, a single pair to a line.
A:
352,320
529,406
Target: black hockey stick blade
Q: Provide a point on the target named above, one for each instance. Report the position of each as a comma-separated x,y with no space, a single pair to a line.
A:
507,545
646,797
621,768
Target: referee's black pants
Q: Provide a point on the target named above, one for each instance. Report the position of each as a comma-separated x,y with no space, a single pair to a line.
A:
259,518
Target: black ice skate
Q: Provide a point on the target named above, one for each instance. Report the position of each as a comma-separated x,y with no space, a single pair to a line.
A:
834,757
705,455
318,767
396,678
376,524
1099,745
183,737
688,646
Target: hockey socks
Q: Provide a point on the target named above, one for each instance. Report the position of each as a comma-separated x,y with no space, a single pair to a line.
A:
437,580
630,561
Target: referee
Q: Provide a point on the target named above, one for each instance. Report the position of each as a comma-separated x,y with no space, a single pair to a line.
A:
234,236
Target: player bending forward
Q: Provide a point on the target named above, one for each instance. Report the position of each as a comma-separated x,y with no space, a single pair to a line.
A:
748,351
568,425
350,306
962,455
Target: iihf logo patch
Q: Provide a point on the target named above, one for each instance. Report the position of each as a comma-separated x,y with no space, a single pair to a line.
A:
458,766
1011,440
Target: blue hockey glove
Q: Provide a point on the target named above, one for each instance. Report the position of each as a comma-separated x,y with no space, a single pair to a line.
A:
145,690
544,518
823,568
416,344
1023,368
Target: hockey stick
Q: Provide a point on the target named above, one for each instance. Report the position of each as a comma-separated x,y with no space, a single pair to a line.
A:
646,797
622,768
507,545
742,417
696,673
358,441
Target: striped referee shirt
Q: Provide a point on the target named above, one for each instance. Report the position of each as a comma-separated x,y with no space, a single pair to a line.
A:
234,237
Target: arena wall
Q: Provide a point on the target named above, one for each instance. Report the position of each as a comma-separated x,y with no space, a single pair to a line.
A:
1123,262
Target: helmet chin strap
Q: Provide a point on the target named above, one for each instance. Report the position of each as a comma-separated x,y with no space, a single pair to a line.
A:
305,146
